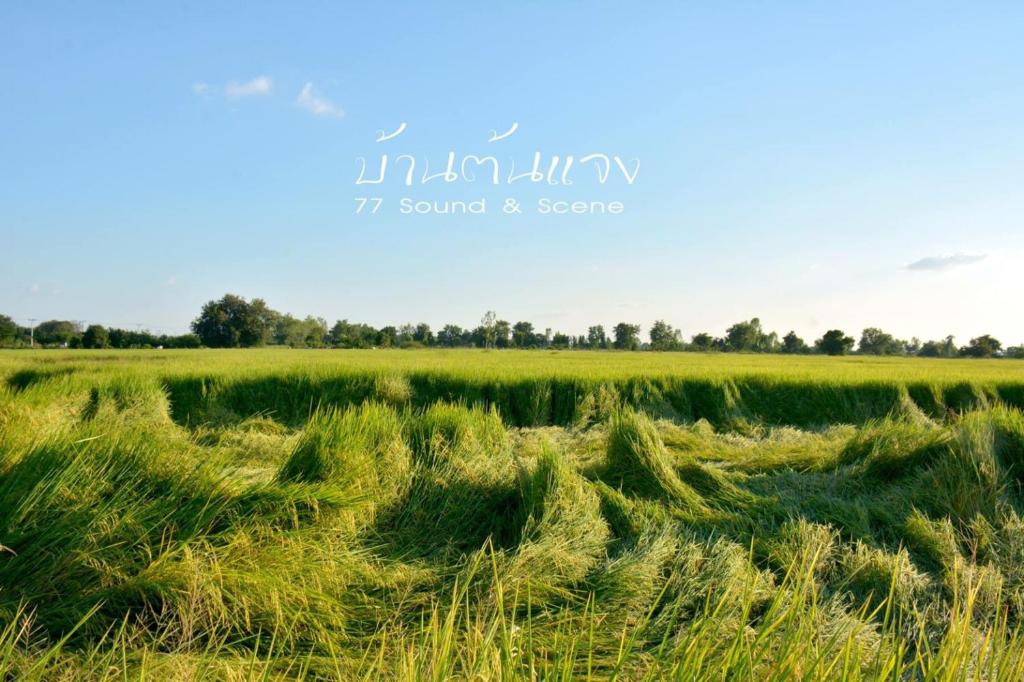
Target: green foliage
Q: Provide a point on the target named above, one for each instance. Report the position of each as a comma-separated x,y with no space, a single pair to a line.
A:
123,338
703,342
982,347
938,349
523,336
665,337
793,344
56,332
8,331
750,337
874,341
834,342
308,333
95,336
233,322
627,336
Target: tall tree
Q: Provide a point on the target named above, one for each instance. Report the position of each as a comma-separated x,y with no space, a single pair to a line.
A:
793,344
232,322
423,335
502,333
8,331
487,322
746,336
665,337
523,335
702,342
345,334
627,336
450,336
95,336
596,338
984,346
387,337
560,340
834,342
873,341
56,332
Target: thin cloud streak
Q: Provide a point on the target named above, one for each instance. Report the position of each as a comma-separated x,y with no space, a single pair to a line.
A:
260,85
317,105
946,262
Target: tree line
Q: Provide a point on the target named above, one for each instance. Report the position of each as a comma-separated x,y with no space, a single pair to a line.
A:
234,322
71,334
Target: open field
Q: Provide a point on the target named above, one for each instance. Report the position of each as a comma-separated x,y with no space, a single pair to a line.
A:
476,515
533,364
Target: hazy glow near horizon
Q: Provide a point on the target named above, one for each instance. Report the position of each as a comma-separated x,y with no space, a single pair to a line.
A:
815,167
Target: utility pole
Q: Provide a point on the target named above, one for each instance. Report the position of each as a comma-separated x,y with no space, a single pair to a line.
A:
32,331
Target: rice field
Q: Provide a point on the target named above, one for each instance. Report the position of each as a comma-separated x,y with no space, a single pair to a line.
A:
282,514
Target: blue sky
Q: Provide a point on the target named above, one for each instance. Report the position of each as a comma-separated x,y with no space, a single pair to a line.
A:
795,160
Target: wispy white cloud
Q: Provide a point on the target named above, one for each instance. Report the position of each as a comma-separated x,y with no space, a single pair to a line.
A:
171,281
36,289
317,105
308,98
946,262
260,85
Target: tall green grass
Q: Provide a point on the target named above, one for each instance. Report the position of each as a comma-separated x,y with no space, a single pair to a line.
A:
236,521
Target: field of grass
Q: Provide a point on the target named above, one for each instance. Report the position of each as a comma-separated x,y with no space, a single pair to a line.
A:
439,515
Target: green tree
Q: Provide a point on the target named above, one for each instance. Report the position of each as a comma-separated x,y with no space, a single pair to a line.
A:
232,322
596,338
793,344
560,340
502,333
487,323
405,334
289,331
873,341
523,335
834,342
184,341
450,336
95,336
314,332
345,334
702,342
265,318
939,349
665,337
386,337
8,331
422,334
56,332
949,347
984,346
931,349
627,336
748,336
